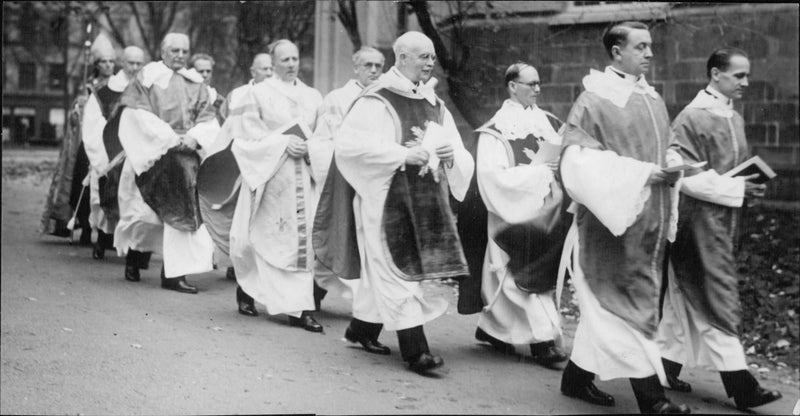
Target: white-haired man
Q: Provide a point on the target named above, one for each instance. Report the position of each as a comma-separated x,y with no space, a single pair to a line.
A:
103,182
399,150
271,225
367,66
167,117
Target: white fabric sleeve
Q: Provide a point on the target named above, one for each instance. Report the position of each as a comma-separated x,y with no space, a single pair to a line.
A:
613,187
145,138
92,132
320,145
512,193
205,133
259,159
711,187
366,152
460,174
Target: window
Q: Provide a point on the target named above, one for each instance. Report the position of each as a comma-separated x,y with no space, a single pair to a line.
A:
55,80
578,12
27,76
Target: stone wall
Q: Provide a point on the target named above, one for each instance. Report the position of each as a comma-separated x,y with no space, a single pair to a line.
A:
682,43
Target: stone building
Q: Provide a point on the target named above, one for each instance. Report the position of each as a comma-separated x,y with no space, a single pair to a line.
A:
562,39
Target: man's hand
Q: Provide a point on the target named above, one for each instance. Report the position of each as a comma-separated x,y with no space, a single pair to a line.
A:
658,176
753,190
445,153
417,156
297,147
189,142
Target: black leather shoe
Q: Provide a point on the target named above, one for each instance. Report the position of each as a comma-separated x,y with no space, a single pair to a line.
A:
132,274
248,309
178,284
664,406
371,345
548,356
677,384
306,321
498,345
759,397
589,393
230,274
425,362
98,252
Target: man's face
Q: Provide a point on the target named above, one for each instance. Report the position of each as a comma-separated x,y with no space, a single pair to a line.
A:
262,68
733,81
175,53
369,67
526,87
418,62
205,68
634,57
287,62
132,63
105,66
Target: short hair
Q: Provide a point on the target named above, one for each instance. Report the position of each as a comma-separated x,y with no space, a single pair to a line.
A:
201,57
617,34
274,45
363,50
512,73
169,37
258,57
401,44
721,58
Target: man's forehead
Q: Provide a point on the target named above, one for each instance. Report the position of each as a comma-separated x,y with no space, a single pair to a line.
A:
177,42
529,72
285,50
738,63
637,36
371,57
202,62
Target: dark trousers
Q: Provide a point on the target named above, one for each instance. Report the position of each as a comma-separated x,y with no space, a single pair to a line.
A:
575,377
648,391
241,296
138,259
737,383
105,241
412,343
365,330
319,294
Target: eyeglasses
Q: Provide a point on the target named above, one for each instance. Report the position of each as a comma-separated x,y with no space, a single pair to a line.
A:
531,84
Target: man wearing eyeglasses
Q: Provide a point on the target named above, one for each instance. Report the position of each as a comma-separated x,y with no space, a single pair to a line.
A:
515,185
367,66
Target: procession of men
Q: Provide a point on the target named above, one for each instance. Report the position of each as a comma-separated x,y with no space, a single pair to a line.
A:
366,192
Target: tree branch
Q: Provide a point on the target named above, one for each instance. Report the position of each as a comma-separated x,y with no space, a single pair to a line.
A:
142,31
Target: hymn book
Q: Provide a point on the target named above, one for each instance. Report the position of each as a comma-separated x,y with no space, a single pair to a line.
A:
752,166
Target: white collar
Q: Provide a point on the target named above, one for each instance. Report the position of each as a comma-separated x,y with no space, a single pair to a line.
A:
713,101
516,122
159,74
118,81
394,79
611,86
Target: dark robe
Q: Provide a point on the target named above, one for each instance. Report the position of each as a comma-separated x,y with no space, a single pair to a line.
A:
419,228
703,252
624,273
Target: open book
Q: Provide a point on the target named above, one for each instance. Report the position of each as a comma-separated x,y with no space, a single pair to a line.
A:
751,166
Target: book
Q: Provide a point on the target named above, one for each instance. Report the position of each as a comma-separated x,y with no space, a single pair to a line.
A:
686,166
299,129
751,166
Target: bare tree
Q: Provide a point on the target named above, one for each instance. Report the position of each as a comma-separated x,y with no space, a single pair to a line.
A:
346,12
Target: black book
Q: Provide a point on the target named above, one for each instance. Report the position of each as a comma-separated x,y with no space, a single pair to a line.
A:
752,166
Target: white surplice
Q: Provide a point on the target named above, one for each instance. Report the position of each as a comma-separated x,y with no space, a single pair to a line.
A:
513,194
146,138
271,228
367,153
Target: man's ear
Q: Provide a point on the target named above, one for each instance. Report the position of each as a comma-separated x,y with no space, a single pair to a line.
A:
616,51
715,73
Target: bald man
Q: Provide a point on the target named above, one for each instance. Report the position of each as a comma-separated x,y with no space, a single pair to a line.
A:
167,118
367,67
104,174
400,152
